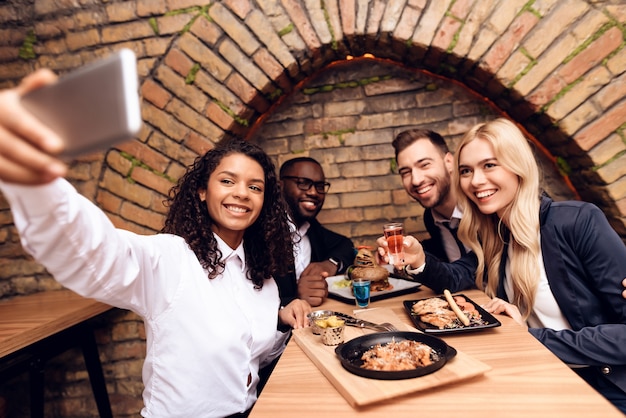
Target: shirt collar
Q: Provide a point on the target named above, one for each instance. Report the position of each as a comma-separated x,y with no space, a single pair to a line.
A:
230,254
453,221
300,231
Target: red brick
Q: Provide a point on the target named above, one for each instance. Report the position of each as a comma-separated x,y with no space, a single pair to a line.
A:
151,180
155,94
169,25
219,116
347,10
546,91
146,155
108,201
121,12
602,127
126,31
179,62
272,68
143,217
181,4
301,22
198,143
445,34
247,93
461,8
206,30
592,55
240,7
509,41
151,7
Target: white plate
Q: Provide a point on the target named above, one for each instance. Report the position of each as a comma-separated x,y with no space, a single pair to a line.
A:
344,294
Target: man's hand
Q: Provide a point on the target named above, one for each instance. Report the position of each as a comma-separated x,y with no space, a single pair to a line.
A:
313,288
414,255
26,145
295,314
320,267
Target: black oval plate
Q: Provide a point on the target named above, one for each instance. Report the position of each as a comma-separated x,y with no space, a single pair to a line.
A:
350,353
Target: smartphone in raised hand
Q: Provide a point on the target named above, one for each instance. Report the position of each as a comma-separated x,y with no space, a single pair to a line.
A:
93,107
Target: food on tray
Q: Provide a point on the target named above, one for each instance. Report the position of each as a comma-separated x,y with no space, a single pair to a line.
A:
455,308
331,322
366,267
396,356
438,312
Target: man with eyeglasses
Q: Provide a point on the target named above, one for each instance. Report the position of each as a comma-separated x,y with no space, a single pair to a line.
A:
318,251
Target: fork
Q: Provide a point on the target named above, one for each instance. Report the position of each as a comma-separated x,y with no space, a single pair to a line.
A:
388,326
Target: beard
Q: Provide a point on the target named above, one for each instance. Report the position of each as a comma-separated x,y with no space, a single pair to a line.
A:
443,189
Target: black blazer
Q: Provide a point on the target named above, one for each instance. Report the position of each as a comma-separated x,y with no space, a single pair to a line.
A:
434,244
324,244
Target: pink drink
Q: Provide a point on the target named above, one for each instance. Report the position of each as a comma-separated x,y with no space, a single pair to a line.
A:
394,234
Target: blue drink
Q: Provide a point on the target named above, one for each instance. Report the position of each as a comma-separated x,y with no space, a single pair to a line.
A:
361,289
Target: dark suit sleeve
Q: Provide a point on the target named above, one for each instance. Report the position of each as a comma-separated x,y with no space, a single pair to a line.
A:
326,243
287,288
439,275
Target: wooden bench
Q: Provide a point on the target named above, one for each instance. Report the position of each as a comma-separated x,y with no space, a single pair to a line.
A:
38,327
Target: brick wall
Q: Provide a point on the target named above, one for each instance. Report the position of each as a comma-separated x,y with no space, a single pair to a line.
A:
274,71
346,118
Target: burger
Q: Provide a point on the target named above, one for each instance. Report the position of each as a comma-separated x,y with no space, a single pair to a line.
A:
366,267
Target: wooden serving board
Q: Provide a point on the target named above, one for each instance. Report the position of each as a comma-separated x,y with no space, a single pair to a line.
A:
359,391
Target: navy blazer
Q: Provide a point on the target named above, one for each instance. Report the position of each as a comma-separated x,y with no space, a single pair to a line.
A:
585,262
324,244
434,244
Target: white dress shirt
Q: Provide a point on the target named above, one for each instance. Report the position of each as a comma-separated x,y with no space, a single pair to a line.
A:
206,339
301,248
545,312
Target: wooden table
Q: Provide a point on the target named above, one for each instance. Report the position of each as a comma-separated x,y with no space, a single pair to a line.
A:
37,327
525,380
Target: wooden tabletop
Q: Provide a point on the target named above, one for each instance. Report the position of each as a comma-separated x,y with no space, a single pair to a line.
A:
525,380
25,320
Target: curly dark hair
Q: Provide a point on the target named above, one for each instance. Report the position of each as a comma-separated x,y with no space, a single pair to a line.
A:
267,242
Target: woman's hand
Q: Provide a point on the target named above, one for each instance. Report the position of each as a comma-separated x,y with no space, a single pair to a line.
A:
295,314
414,255
27,147
624,292
498,306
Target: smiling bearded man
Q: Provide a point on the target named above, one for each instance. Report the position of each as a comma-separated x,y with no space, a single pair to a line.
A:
318,251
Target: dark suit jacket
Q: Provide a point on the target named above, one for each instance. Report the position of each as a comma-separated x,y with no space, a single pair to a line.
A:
434,244
324,244
585,262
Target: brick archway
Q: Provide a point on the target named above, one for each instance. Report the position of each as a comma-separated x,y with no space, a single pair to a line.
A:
558,71
213,69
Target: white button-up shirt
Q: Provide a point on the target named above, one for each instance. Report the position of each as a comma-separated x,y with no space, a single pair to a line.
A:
205,338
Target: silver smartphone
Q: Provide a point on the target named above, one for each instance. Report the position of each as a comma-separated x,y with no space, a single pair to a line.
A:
93,107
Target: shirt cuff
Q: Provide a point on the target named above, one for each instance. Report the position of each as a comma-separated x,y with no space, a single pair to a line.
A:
414,272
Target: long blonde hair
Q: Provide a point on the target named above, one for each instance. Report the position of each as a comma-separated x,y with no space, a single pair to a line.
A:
486,234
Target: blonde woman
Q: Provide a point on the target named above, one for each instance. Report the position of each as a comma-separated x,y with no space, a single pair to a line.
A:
555,267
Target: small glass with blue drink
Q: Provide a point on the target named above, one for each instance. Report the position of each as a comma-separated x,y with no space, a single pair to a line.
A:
361,290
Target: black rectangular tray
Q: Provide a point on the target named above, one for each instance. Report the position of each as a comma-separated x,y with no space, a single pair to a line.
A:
489,320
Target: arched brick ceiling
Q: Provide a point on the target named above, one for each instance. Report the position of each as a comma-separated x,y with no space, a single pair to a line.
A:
211,70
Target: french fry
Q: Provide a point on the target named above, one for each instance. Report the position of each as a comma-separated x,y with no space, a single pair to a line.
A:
455,308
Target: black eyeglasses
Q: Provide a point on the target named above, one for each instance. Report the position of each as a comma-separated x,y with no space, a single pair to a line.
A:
305,184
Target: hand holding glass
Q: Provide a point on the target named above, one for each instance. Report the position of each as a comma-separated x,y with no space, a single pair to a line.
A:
394,234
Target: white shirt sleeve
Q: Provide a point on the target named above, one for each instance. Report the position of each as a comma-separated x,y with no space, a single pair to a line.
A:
82,249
